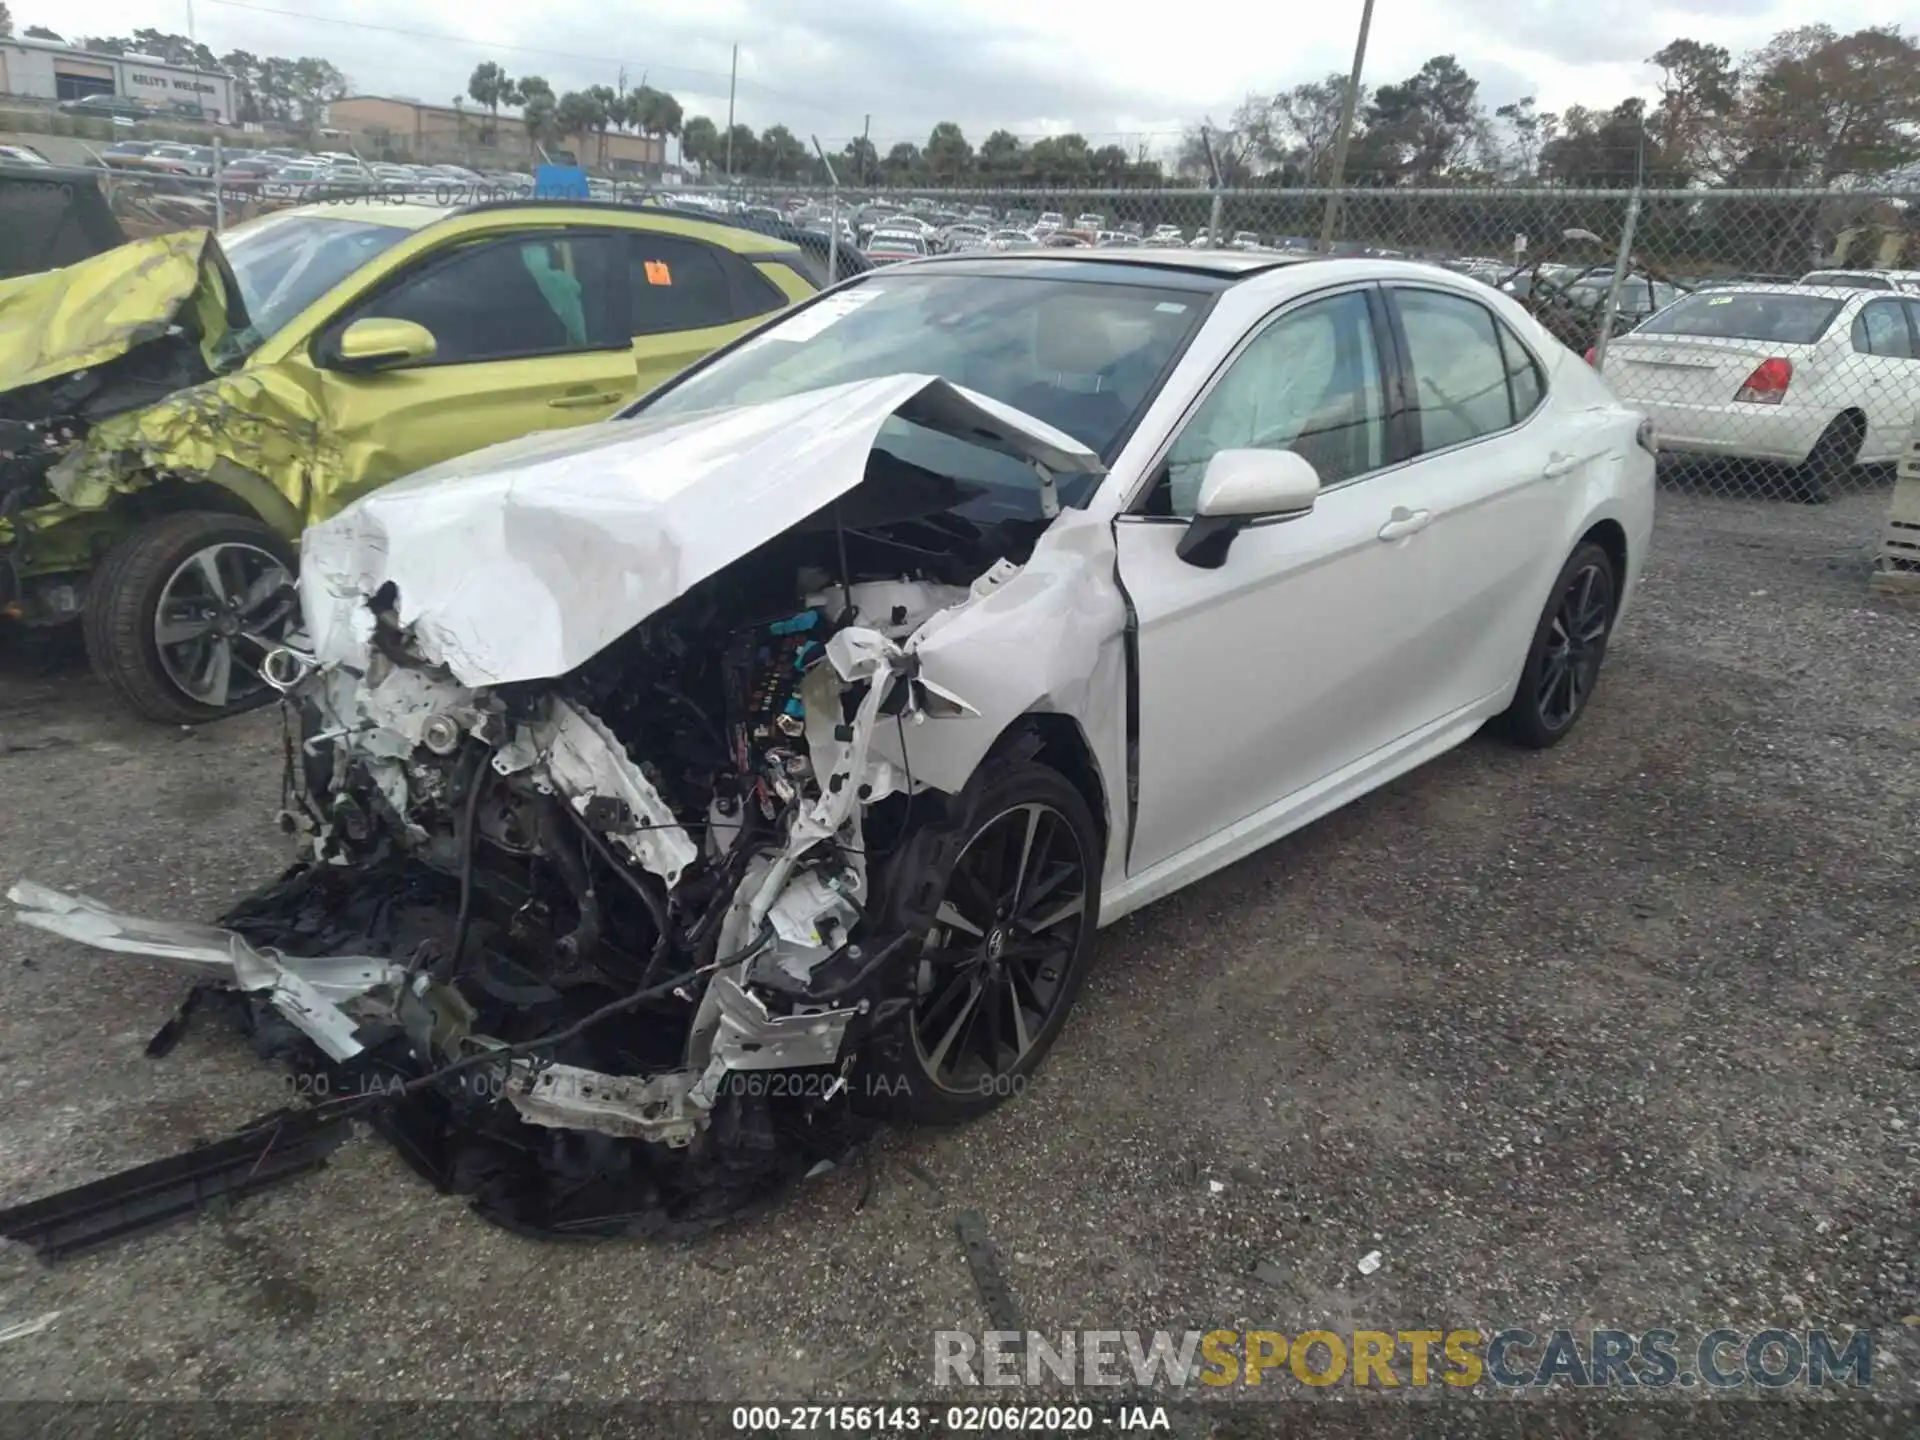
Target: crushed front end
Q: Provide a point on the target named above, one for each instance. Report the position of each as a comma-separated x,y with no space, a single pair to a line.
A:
632,896
614,874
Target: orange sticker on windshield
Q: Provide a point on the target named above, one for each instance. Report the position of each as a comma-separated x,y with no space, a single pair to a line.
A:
658,274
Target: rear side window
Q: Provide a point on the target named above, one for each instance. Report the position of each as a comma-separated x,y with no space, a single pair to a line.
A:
1752,315
676,284
1459,369
1525,384
1881,329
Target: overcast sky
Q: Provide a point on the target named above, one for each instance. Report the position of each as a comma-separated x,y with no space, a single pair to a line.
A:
1031,66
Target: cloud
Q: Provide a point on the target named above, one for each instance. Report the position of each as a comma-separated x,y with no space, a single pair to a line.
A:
829,68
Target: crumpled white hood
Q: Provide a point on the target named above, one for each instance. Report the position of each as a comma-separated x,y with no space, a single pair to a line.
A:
522,561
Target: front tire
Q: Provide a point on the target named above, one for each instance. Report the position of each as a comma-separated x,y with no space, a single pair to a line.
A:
1569,645
181,612
1013,902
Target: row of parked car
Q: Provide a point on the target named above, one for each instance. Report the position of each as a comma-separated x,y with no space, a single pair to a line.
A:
284,172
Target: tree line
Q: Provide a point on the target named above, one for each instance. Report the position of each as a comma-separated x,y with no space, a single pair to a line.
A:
1809,107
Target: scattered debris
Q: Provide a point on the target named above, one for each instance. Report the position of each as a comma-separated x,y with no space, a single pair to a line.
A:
984,1261
858,1363
920,1173
27,747
1272,1272
21,1329
1216,1187
1369,1262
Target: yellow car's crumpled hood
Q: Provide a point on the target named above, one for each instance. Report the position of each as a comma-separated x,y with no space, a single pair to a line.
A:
62,321
256,432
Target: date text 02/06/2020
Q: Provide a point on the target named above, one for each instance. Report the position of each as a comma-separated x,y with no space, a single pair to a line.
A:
954,1419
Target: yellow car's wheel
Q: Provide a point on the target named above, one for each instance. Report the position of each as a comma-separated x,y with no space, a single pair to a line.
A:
180,614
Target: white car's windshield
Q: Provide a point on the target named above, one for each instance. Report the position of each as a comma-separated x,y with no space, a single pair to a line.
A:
1085,356
283,263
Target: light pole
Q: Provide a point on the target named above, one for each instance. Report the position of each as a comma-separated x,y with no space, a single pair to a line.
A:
1348,104
733,78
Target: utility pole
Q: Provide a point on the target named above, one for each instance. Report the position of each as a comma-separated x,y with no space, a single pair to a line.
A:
190,34
1348,103
866,128
730,83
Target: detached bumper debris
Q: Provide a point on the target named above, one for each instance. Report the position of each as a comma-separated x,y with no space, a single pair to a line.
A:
269,1153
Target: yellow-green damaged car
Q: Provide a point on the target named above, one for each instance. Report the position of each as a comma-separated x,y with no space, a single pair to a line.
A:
175,411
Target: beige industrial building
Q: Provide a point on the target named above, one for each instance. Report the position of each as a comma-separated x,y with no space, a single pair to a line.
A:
51,70
441,132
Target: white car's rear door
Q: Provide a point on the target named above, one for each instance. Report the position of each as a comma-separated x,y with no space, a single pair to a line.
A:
1500,475
1292,659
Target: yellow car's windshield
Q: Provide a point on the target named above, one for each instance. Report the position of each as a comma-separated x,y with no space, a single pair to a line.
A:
283,263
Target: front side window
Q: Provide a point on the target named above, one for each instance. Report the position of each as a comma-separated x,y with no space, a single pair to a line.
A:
1459,371
502,300
1309,383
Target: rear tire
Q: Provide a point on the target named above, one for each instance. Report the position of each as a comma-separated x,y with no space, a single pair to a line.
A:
214,577
1829,465
1007,887
1569,646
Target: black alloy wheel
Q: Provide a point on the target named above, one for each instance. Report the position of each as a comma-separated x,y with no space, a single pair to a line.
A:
1569,646
999,967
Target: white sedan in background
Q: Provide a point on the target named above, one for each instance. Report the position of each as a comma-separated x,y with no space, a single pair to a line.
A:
1821,378
830,698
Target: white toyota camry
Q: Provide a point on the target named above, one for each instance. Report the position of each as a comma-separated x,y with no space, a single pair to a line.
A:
811,717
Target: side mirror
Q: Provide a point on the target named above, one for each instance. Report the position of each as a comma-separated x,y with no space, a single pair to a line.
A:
1240,488
377,343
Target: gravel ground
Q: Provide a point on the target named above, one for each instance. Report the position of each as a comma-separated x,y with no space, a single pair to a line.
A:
1626,1033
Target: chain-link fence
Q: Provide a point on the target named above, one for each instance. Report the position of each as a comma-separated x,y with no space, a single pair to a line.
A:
1773,337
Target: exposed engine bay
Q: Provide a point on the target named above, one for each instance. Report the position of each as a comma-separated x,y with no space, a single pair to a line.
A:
564,930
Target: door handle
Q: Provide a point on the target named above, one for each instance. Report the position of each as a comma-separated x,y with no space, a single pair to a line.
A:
1561,465
1404,522
584,402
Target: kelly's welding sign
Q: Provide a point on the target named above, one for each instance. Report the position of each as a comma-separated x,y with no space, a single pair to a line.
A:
560,182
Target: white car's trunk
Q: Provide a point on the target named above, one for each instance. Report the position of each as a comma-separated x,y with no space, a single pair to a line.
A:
1682,370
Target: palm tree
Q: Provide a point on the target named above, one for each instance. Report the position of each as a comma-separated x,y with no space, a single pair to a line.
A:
490,86
608,109
657,114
